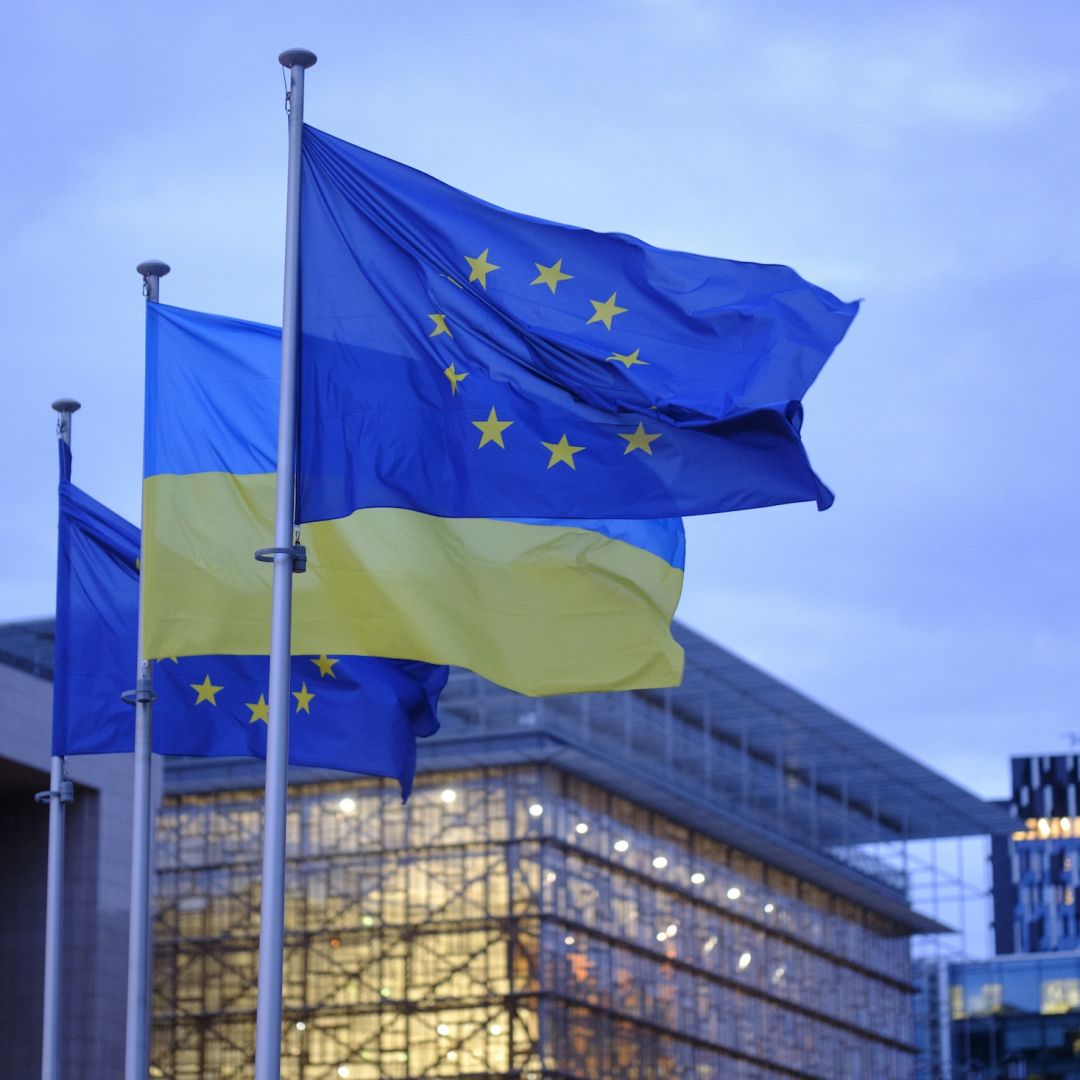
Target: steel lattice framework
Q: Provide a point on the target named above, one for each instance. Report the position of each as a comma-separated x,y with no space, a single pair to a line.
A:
513,922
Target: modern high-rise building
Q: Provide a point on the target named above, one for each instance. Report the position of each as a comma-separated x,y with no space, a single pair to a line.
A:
1019,1013
1037,864
708,881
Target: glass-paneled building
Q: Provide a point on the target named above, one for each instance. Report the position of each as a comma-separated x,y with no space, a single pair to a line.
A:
696,883
1037,865
1016,1016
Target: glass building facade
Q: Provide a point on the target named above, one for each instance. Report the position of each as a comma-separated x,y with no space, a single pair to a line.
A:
1037,866
704,882
1016,1016
513,922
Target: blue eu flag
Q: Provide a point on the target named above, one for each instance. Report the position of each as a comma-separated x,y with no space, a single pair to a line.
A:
97,616
465,361
356,713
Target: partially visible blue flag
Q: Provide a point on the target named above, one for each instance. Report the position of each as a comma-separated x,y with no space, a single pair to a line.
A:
356,713
466,361
97,615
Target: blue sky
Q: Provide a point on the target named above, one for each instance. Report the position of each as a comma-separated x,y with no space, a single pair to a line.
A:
921,156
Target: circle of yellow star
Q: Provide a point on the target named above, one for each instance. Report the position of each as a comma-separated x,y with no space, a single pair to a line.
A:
491,429
628,360
303,699
562,451
205,691
454,376
550,275
325,666
606,311
259,710
638,440
479,268
440,325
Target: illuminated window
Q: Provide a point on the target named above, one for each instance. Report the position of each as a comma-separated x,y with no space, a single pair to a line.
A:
984,999
1059,996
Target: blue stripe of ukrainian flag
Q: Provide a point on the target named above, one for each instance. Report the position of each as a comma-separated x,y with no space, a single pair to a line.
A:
539,607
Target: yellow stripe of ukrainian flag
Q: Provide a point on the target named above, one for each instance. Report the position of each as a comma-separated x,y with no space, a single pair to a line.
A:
536,608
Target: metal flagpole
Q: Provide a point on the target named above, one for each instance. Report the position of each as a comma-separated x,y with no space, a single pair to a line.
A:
61,791
137,1045
286,559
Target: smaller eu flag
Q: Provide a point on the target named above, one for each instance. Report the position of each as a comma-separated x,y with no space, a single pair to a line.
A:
462,360
97,616
355,713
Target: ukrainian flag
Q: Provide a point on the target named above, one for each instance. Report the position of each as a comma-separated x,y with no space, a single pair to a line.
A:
540,607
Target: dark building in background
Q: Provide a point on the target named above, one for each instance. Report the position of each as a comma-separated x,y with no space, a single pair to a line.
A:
1019,1015
1016,1016
1037,866
97,873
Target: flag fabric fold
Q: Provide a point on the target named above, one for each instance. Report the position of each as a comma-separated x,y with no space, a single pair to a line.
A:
462,360
539,606
354,713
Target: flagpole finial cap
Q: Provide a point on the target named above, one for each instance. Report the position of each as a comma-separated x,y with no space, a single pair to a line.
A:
153,268
291,57
68,405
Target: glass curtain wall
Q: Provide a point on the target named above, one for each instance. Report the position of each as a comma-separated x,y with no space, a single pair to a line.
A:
512,922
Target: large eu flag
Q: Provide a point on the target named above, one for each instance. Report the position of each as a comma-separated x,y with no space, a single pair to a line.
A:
354,713
465,361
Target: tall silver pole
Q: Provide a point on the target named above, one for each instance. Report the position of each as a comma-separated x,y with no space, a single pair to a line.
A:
272,924
137,1044
61,792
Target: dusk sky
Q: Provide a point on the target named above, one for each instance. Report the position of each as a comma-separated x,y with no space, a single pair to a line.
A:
921,156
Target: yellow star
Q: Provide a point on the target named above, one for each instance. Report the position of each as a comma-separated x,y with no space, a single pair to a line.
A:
479,268
550,275
629,359
325,666
452,374
605,311
205,691
259,710
492,429
562,451
440,325
638,440
303,699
